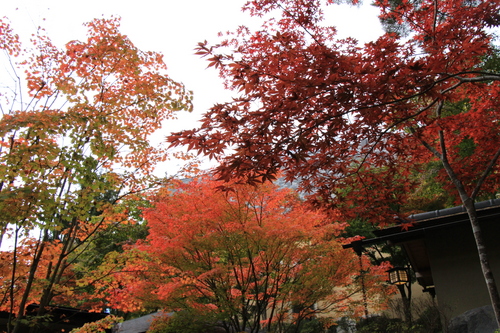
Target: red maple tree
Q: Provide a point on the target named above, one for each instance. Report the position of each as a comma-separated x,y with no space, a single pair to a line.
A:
355,123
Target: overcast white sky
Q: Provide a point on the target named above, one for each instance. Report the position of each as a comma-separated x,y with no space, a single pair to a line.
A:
172,27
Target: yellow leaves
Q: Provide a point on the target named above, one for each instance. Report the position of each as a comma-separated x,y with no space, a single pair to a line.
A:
100,326
111,95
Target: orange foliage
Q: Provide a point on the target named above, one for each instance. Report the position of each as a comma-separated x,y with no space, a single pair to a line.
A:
15,271
241,253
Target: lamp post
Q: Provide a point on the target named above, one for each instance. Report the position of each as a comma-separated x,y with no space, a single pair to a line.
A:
400,277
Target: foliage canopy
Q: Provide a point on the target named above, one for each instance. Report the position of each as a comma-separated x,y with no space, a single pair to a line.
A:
338,115
74,145
246,258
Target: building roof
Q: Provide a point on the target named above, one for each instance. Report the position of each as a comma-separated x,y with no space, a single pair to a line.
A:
412,237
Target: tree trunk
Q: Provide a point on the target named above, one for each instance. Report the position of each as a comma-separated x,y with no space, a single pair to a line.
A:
483,258
31,278
406,301
468,202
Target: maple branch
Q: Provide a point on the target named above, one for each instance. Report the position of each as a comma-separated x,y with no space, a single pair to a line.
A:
485,174
486,77
439,108
449,170
384,132
34,98
305,131
97,227
14,267
442,145
434,20
17,84
444,159
441,156
408,19
299,23
110,272
456,85
433,150
54,97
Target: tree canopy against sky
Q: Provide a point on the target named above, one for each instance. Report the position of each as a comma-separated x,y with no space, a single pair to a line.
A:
356,123
74,144
245,258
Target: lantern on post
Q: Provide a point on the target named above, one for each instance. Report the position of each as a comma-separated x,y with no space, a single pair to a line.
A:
398,275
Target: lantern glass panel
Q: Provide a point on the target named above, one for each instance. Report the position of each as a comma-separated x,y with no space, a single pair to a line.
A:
398,276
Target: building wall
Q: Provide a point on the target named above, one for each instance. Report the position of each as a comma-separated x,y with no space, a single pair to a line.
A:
455,266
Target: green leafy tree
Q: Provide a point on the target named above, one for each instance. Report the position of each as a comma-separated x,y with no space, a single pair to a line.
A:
74,143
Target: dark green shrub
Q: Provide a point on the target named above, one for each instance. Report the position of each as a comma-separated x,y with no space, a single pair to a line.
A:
430,320
381,324
312,326
186,322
